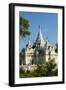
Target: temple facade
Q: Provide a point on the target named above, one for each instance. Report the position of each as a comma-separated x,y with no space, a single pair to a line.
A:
37,53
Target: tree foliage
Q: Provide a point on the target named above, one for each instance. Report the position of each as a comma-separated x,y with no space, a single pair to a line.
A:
42,70
24,25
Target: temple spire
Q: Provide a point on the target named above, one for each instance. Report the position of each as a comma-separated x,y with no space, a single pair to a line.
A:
29,41
40,34
39,27
39,39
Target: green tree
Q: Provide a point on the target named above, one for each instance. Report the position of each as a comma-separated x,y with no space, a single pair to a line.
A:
24,25
47,69
51,68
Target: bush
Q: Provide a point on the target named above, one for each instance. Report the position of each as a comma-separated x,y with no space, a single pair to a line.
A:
42,70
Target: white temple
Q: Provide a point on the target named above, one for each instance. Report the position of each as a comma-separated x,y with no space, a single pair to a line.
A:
37,53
